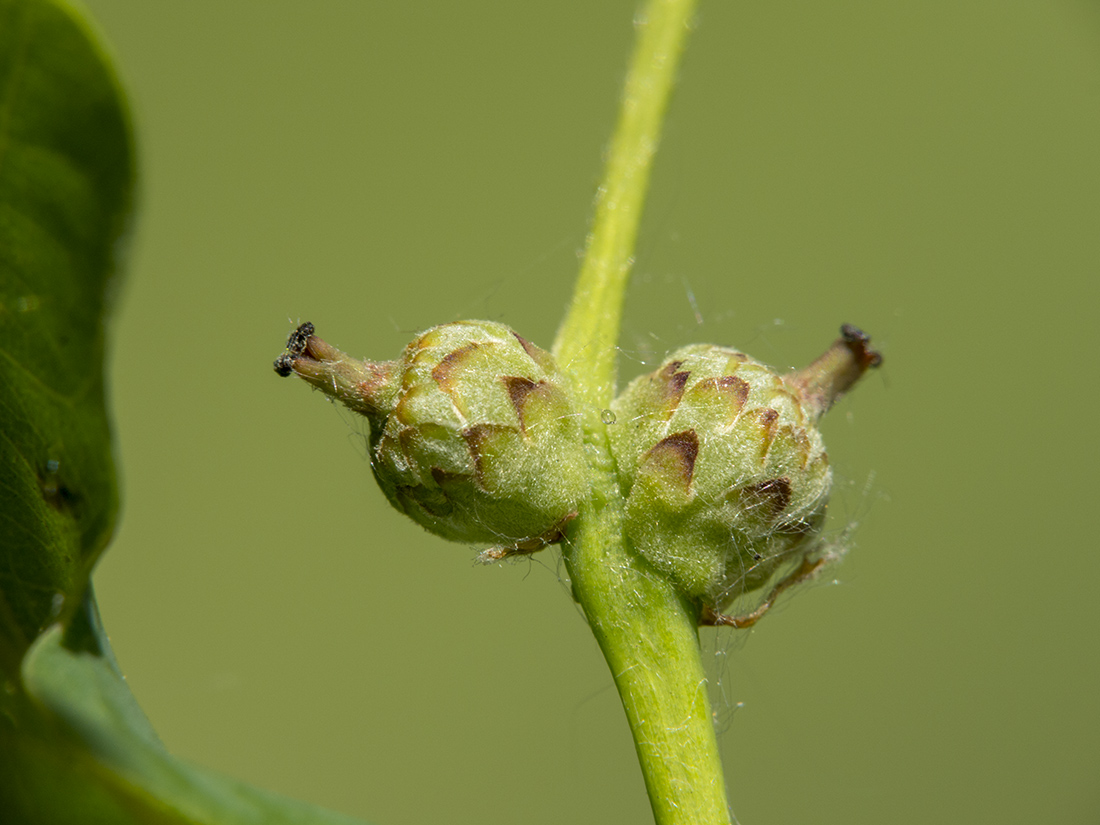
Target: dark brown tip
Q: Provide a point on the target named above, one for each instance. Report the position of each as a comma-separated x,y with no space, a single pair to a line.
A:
673,378
520,390
447,369
668,384
535,353
296,344
771,496
768,417
479,440
442,478
833,374
725,394
676,455
767,420
736,388
858,341
284,364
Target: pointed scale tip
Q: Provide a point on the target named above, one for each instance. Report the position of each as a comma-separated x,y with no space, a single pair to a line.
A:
834,373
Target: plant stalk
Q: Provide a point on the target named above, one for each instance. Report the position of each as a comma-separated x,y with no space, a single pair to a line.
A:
646,631
590,329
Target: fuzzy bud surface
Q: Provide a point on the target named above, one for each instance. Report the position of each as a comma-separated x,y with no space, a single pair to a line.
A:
473,433
725,471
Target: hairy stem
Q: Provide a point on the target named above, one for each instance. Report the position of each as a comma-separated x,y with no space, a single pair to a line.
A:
647,632
590,330
648,635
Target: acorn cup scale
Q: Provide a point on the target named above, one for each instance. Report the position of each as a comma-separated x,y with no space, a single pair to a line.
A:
473,434
724,471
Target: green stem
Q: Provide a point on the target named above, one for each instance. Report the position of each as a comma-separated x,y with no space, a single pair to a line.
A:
590,330
649,637
647,632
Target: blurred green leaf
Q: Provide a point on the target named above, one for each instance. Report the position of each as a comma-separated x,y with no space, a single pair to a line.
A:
65,191
74,745
94,757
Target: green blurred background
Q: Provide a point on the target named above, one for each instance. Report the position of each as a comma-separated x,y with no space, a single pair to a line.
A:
928,171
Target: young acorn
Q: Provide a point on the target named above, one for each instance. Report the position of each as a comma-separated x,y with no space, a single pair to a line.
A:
725,472
472,431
